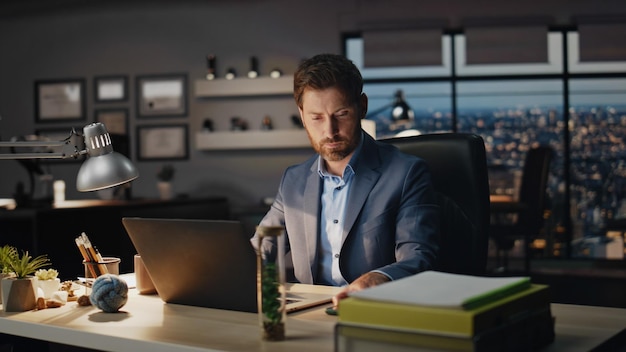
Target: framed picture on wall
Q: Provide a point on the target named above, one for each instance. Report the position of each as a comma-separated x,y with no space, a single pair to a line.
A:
163,142
115,120
162,95
60,100
108,89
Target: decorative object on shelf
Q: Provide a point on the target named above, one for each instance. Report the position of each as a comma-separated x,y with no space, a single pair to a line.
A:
266,124
164,184
276,73
238,124
254,67
60,100
162,142
162,95
260,86
231,73
207,125
109,293
271,291
58,189
166,173
211,68
19,292
110,89
48,281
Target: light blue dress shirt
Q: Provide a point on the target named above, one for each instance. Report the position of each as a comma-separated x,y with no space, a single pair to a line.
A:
334,199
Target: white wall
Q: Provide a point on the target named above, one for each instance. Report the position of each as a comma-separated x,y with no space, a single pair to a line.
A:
87,39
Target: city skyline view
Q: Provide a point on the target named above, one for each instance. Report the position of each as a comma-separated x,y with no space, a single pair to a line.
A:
510,123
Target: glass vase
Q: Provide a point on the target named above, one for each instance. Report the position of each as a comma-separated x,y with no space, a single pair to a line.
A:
271,293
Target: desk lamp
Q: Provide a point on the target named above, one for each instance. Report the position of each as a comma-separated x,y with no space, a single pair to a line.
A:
399,110
103,169
395,116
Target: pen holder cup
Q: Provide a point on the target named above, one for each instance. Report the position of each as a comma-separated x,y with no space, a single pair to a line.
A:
95,269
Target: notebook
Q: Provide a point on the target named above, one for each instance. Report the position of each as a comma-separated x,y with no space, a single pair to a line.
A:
204,263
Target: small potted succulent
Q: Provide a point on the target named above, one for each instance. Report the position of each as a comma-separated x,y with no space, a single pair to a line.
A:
7,255
165,175
48,281
19,292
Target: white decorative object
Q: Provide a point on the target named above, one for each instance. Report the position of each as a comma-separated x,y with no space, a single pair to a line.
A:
49,287
165,190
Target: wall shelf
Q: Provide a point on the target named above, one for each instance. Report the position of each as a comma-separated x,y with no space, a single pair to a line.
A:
241,87
233,140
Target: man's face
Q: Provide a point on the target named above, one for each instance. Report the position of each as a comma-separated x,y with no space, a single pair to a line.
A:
331,122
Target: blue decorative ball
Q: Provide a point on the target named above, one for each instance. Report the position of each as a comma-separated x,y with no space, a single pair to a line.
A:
109,292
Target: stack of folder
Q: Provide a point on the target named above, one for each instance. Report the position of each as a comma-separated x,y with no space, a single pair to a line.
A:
441,311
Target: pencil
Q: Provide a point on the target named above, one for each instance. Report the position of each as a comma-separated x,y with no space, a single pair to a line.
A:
102,268
83,252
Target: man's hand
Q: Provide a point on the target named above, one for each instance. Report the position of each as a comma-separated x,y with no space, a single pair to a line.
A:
364,281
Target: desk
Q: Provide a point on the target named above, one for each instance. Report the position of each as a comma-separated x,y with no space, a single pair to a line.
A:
148,324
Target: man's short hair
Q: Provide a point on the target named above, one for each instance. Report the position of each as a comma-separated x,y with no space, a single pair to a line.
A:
325,71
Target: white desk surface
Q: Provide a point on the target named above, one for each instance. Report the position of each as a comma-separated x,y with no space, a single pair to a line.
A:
145,323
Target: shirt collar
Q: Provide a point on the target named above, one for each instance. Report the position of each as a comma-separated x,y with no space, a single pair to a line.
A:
321,168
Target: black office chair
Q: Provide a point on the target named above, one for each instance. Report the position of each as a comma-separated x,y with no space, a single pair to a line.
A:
529,209
458,165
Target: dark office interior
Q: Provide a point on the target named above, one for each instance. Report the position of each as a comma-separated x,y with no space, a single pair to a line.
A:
542,73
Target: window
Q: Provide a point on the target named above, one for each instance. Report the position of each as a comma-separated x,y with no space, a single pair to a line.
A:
514,105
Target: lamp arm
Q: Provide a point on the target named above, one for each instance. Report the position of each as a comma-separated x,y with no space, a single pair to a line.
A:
379,110
33,143
69,149
32,156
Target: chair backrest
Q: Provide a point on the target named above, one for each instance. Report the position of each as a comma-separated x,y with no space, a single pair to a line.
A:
458,166
533,186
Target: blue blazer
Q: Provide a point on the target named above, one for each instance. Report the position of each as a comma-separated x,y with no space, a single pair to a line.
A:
391,224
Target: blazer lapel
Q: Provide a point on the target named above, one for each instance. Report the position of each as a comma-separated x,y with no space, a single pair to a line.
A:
366,176
311,216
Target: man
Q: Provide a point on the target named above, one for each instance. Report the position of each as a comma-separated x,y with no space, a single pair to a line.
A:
359,213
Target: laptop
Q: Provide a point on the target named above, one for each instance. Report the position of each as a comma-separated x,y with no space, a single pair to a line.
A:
204,263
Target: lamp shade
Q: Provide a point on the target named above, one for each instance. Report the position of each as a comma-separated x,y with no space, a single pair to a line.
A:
104,167
401,110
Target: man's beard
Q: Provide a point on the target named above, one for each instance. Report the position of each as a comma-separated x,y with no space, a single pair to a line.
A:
336,154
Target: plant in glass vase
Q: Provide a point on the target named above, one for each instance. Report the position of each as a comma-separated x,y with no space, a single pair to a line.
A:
272,321
271,282
19,292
